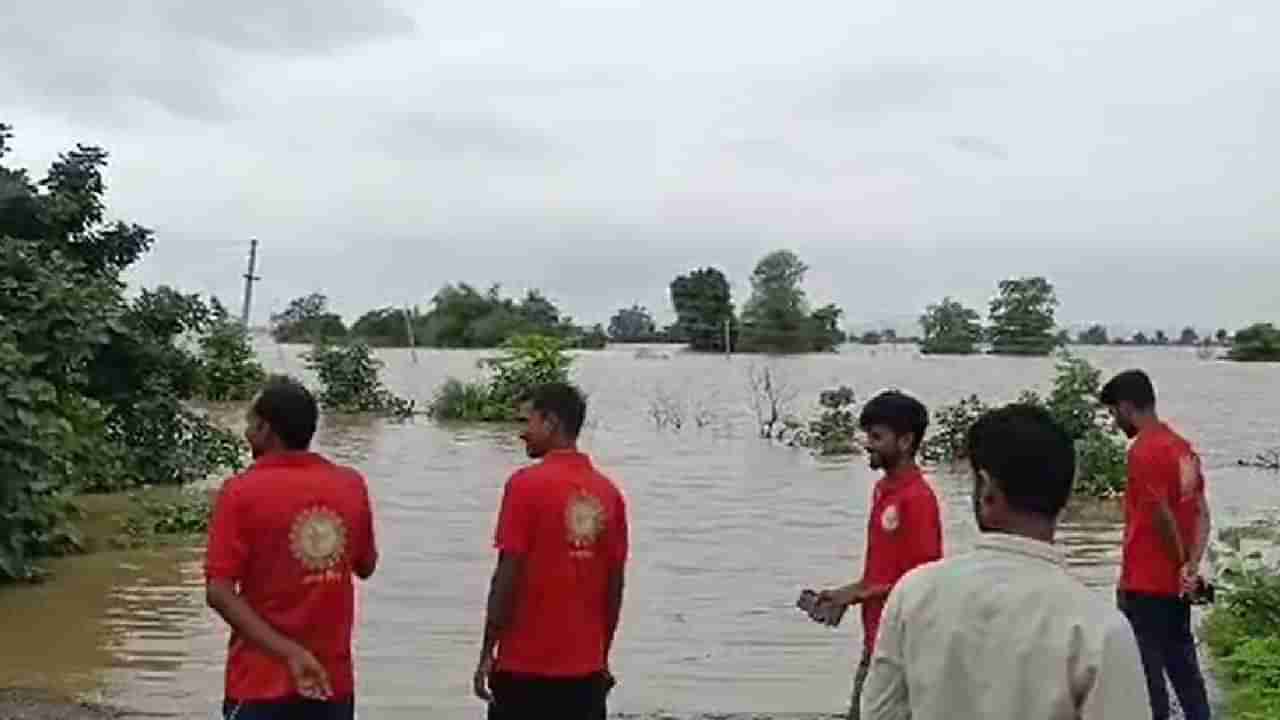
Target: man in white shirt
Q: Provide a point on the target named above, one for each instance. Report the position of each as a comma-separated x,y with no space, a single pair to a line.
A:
1005,631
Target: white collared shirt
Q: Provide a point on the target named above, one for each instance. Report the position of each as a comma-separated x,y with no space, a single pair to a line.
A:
1003,632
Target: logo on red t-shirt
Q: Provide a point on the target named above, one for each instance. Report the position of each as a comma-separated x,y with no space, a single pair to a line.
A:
584,520
318,538
889,518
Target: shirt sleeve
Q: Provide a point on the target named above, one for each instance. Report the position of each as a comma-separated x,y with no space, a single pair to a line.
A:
619,535
369,544
515,520
1118,687
227,550
922,532
885,695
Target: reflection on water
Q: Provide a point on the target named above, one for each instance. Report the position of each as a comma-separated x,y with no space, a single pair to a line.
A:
726,528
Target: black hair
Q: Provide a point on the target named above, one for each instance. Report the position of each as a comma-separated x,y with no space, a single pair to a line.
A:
290,409
562,401
1027,454
899,412
1132,386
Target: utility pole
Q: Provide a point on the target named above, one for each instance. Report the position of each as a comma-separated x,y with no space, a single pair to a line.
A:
249,280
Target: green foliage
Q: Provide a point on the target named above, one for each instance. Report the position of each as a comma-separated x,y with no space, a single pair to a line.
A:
1189,337
834,432
1073,403
385,327
1243,633
188,515
463,317
92,387
1256,343
593,338
777,319
1022,317
308,320
526,362
350,381
1095,335
949,429
703,303
950,329
633,324
229,370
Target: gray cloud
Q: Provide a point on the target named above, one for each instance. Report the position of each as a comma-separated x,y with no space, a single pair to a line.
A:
381,150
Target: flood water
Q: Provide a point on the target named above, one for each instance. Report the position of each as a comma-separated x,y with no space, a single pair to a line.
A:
726,530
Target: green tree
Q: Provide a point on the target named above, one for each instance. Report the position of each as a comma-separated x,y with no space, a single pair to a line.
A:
384,327
871,337
1140,338
703,304
1256,343
1161,338
777,317
1189,337
1223,337
633,324
1095,335
307,319
1022,317
229,369
950,328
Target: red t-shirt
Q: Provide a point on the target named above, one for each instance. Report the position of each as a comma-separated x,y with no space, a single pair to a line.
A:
289,531
569,522
1162,466
904,531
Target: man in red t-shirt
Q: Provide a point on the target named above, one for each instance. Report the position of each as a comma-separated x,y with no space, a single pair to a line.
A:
556,593
904,530
285,539
1166,531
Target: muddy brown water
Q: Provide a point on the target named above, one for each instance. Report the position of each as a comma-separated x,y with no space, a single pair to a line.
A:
726,530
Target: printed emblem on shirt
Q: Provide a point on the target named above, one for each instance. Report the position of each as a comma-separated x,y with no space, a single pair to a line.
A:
318,539
889,519
584,520
1189,472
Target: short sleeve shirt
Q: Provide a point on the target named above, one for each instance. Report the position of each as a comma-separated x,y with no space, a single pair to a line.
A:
569,523
289,532
904,531
1162,467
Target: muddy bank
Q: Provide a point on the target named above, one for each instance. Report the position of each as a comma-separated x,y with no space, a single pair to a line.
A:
38,705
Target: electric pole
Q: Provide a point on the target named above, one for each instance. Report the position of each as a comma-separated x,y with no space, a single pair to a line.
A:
249,280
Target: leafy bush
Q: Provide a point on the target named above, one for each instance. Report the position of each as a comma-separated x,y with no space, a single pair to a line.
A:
1073,403
188,515
228,368
1243,632
350,382
1256,343
527,361
834,432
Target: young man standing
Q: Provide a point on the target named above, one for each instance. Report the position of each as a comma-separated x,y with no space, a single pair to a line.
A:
285,539
1166,531
556,594
903,528
1005,631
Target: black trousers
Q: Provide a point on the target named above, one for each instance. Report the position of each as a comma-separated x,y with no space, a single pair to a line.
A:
1162,626
294,709
535,697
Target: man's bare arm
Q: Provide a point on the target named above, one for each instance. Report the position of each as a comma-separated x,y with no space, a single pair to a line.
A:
309,674
498,613
1168,528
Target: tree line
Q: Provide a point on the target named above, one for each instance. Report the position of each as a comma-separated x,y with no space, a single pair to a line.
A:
776,317
1021,321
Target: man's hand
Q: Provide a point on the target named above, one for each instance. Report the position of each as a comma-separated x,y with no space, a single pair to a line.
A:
841,597
309,676
1190,575
481,680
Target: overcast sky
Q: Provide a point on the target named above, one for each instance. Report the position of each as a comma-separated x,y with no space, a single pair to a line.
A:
906,150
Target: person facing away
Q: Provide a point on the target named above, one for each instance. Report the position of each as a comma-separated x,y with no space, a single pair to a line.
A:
903,527
1166,530
285,539
556,593
1004,631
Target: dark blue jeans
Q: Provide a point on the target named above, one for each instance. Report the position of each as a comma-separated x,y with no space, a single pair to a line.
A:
293,709
1162,626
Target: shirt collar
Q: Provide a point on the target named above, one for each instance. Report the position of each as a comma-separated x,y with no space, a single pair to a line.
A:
293,458
1020,545
565,456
